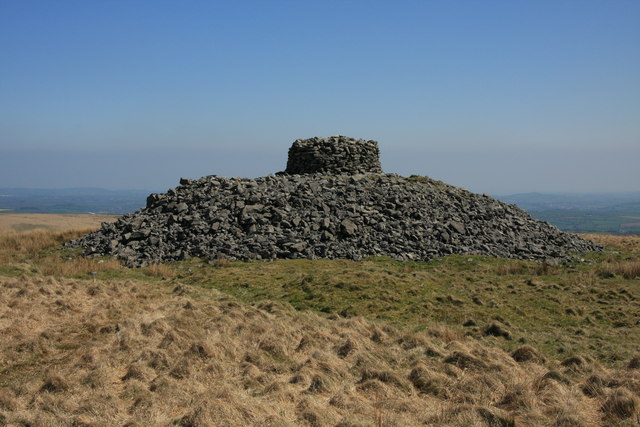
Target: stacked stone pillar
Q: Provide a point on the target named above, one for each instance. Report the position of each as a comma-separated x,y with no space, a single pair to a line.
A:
336,155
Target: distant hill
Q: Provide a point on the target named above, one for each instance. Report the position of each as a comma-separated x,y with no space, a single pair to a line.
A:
613,213
71,200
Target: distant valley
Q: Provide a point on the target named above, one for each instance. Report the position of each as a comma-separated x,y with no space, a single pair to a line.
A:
611,213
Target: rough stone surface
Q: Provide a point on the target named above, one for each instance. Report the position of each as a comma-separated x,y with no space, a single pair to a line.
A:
321,215
334,155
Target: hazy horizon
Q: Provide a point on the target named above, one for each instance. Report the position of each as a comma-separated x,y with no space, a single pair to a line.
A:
480,172
495,97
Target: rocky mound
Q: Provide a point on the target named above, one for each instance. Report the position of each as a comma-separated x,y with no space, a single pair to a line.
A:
320,215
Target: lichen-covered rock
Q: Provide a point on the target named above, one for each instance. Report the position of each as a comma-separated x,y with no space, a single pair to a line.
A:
322,215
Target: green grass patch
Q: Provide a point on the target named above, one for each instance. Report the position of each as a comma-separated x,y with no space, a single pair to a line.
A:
577,308
569,309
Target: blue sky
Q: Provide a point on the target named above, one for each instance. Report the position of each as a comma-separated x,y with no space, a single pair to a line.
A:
494,96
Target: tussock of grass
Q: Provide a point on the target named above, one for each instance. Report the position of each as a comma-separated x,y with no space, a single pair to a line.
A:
626,269
79,266
160,270
39,252
14,245
140,353
627,243
510,268
588,279
524,268
220,262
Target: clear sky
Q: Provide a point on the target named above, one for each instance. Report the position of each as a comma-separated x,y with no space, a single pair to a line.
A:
495,96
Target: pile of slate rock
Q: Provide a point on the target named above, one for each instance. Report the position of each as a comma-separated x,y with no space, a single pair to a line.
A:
342,211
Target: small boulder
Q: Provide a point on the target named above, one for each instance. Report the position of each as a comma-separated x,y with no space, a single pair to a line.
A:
457,227
348,227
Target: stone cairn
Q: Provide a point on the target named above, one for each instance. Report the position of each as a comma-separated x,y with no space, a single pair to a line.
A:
333,201
335,155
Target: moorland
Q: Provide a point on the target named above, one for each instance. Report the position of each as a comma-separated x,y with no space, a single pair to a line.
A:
459,340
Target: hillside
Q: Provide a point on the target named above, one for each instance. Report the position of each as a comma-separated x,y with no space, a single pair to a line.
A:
461,340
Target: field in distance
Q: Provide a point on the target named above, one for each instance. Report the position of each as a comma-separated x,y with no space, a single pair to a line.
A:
609,213
51,222
459,340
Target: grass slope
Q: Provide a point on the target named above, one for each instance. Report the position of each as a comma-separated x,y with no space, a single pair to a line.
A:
589,308
123,352
378,342
51,222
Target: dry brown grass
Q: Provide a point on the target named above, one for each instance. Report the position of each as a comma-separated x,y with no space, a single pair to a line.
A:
29,243
98,352
23,247
628,243
20,246
511,269
524,268
626,269
52,222
79,266
164,271
88,352
587,278
220,262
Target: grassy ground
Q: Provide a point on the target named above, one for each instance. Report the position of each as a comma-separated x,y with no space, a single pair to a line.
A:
130,352
51,222
588,308
448,312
